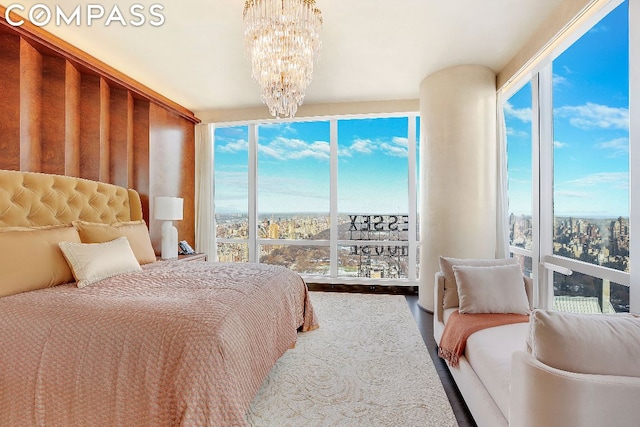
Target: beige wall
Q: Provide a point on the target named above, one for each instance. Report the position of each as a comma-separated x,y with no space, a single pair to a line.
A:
312,110
458,176
544,37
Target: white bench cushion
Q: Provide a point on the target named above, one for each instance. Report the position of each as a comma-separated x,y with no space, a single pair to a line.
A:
489,353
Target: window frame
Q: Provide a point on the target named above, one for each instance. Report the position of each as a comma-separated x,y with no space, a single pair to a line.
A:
254,242
541,78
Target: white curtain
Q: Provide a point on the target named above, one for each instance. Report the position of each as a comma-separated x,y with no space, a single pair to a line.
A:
502,199
205,191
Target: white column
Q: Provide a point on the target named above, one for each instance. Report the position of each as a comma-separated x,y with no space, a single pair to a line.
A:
458,169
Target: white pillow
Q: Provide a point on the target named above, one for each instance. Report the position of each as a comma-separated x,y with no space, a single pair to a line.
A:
602,344
92,262
450,298
496,289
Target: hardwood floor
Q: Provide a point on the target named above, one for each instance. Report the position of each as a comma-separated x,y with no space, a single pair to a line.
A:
364,289
425,325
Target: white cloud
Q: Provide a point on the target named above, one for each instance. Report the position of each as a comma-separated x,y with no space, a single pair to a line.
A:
233,179
559,80
558,144
233,146
572,194
520,181
282,128
305,193
518,133
364,146
270,151
617,180
310,153
232,196
403,142
617,147
282,148
289,143
595,116
319,150
394,150
321,145
397,147
522,114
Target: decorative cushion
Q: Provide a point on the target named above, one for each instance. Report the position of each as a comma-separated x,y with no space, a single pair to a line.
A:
496,289
92,262
601,344
31,258
136,233
451,287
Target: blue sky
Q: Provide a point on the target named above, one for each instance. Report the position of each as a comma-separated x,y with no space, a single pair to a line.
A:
591,167
294,167
591,138
231,169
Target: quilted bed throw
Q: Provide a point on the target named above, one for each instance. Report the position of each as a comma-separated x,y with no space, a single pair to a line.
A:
178,344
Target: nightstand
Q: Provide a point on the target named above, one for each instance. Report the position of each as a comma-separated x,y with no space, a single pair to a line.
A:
185,258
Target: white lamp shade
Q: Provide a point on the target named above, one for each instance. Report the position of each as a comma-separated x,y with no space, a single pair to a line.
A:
167,208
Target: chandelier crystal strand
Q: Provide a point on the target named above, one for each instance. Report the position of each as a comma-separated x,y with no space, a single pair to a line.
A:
282,38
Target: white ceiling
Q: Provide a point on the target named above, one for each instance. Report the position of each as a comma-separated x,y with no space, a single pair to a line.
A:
372,49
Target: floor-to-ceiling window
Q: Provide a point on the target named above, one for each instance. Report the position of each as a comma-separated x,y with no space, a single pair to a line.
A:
231,153
568,168
373,198
518,115
293,193
334,199
591,164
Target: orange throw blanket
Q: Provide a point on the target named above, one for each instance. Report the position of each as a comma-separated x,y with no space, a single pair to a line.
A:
460,326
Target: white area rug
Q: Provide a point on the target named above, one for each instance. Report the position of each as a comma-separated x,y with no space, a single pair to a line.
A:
365,366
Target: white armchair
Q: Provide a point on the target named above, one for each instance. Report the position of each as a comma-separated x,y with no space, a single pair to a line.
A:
545,396
596,378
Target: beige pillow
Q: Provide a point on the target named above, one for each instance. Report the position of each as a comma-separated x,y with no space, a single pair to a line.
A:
602,344
451,287
31,259
136,233
497,289
92,262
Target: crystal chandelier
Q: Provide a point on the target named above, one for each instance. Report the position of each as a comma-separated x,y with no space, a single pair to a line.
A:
282,39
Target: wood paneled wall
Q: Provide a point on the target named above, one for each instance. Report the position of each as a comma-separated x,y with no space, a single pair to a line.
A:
64,112
172,153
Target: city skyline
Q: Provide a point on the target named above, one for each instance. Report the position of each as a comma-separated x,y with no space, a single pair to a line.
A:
594,240
359,258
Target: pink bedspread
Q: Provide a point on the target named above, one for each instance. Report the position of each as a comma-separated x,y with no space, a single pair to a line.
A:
179,344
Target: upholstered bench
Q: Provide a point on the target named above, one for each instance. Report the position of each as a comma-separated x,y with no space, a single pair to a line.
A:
557,369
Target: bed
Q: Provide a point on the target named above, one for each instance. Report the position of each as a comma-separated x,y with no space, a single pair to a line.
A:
164,344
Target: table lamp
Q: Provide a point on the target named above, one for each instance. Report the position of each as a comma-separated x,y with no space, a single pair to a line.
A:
168,209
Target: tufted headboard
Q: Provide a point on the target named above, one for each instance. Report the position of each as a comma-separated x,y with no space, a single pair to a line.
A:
30,199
